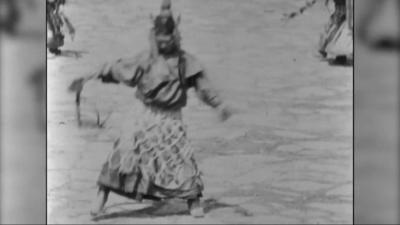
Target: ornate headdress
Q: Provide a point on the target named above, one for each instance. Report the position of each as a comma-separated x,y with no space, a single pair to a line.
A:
165,23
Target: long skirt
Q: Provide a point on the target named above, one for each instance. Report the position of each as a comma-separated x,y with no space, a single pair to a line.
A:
153,159
330,30
341,44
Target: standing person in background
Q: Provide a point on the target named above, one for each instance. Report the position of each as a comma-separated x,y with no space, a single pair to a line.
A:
336,43
153,158
336,19
340,48
56,19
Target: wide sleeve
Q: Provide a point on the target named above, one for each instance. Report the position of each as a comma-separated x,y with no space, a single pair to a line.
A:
205,90
197,77
127,71
67,22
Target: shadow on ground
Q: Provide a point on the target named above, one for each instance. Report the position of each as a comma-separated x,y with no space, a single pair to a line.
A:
70,54
168,208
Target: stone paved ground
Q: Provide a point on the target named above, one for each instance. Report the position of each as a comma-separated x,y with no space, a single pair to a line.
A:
285,157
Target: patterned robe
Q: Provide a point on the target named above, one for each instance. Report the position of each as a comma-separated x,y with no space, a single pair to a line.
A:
153,158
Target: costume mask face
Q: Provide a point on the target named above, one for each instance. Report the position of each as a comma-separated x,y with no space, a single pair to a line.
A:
166,43
165,35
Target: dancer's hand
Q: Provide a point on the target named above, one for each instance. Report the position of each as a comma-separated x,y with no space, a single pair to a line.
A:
224,113
76,85
72,33
70,27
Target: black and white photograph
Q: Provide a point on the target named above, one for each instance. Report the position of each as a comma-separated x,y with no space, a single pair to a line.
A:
199,111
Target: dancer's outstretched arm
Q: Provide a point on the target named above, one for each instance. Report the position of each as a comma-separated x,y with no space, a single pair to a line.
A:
126,71
209,95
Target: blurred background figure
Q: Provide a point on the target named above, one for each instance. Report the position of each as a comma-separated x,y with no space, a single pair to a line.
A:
378,24
56,19
38,82
9,16
23,112
376,104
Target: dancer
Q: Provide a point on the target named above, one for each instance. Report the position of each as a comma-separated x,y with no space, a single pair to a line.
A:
153,158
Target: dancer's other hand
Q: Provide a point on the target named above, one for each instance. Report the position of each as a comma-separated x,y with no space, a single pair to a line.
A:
224,112
76,85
